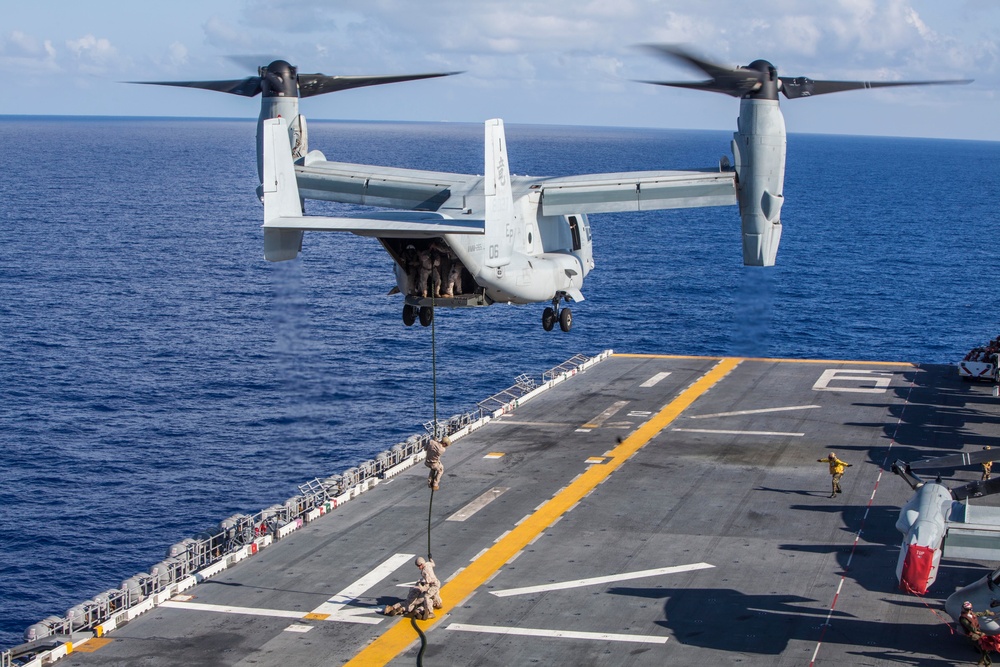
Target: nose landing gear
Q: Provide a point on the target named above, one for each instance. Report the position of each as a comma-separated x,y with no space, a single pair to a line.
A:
552,314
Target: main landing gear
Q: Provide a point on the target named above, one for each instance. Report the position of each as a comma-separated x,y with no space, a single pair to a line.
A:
412,313
551,315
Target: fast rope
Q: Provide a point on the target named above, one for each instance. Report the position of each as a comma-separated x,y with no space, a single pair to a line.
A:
430,504
423,641
434,385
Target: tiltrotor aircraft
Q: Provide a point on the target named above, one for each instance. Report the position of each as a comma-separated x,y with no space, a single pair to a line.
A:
937,517
461,240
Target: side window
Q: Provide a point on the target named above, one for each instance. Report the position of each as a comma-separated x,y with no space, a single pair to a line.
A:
574,229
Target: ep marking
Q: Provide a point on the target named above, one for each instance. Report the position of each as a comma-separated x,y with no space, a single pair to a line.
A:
879,379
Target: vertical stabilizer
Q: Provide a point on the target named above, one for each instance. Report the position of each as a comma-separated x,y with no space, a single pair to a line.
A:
280,191
500,217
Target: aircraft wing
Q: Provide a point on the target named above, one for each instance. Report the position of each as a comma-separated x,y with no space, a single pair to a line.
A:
402,224
637,191
370,185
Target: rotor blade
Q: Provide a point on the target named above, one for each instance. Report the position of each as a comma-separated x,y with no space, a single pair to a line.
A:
673,51
247,87
803,86
956,460
977,489
736,81
736,90
320,84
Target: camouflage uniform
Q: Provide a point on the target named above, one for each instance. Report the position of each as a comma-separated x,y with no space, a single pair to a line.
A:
417,604
428,577
836,471
424,273
434,451
454,275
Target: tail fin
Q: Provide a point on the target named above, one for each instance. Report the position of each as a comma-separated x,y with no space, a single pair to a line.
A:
500,215
280,191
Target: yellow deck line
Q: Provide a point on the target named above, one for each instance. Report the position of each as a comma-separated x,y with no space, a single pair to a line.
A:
770,360
397,638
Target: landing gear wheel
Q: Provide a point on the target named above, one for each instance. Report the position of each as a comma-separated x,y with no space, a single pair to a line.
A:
409,315
548,319
565,319
426,316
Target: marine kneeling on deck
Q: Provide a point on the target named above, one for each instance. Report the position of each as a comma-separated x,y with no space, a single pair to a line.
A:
424,597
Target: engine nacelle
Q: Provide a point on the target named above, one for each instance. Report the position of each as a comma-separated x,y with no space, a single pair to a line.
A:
923,522
759,152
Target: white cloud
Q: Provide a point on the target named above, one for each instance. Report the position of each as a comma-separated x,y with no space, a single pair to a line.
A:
93,55
27,53
177,54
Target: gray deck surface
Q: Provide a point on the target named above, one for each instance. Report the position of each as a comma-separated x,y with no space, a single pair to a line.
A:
782,580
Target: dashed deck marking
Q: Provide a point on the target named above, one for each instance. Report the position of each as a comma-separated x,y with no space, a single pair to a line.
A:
231,609
594,581
606,415
595,459
394,641
557,634
652,382
494,455
722,432
478,504
754,412
298,627
343,616
516,422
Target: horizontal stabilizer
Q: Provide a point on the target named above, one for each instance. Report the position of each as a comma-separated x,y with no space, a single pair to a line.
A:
404,224
284,222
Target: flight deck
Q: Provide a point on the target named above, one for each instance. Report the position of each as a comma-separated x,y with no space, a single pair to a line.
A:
648,510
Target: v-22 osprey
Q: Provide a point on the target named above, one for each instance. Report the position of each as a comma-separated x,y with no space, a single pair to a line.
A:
460,240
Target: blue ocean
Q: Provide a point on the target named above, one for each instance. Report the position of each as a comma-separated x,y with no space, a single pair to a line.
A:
157,375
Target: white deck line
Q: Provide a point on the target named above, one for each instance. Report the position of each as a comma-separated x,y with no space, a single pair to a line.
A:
558,634
755,412
593,581
478,504
653,381
711,430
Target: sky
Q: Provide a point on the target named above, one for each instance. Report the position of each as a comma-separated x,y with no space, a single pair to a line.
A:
560,62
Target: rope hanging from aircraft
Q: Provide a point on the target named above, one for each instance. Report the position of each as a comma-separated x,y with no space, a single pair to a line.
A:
434,385
430,504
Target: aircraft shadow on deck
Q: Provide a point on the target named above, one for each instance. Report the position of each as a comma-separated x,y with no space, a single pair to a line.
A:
724,619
